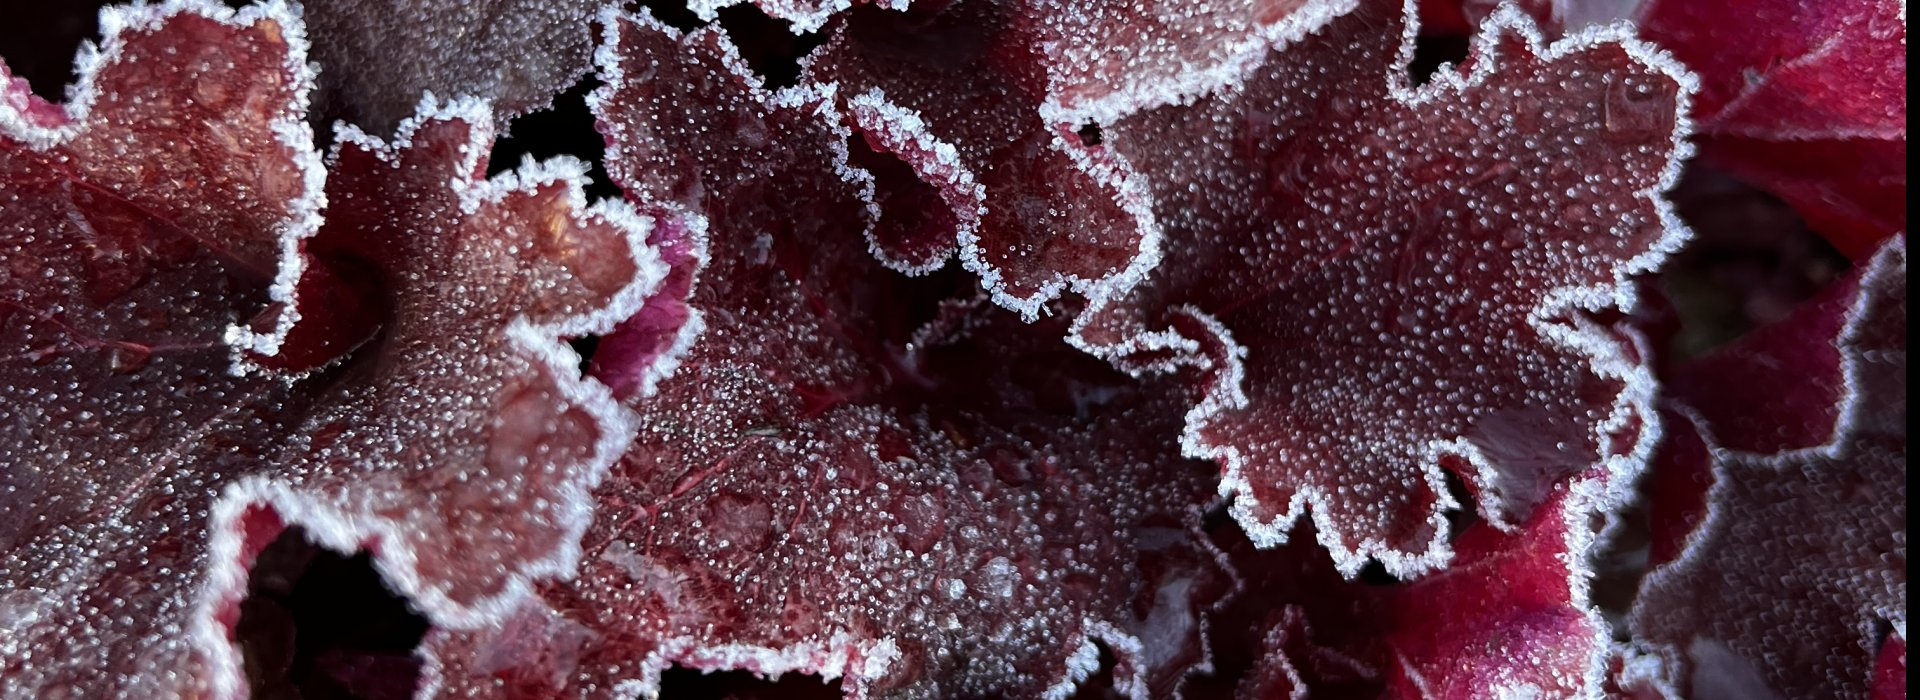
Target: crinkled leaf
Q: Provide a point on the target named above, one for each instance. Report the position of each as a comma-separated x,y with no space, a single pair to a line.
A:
140,222
996,105
852,474
1804,98
1798,573
147,461
468,436
378,58
1375,277
954,91
1175,50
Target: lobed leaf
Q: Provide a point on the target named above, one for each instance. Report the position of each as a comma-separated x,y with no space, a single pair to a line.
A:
1372,277
853,474
1796,579
164,240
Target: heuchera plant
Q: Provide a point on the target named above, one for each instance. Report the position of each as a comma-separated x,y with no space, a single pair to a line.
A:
956,349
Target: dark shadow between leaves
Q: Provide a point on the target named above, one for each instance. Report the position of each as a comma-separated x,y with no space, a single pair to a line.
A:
769,45
319,625
1431,51
690,684
1099,684
565,129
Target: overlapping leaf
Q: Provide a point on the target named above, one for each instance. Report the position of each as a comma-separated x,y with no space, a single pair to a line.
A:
379,58
1516,621
982,100
1805,99
1794,583
146,462
852,473
1377,277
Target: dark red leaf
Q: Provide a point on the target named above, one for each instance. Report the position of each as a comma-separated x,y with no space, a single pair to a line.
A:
1798,571
1804,98
853,474
1509,618
140,222
150,454
955,91
379,58
1373,277
463,449
1174,50
1890,677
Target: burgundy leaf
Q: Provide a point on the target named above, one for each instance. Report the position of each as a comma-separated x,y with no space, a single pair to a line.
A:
853,474
158,229
997,106
954,91
379,57
141,221
1175,50
1797,575
462,450
1890,676
1374,278
1509,618
1806,99
1792,69
1852,191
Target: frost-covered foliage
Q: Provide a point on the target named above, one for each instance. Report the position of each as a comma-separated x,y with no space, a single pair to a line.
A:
1795,577
983,348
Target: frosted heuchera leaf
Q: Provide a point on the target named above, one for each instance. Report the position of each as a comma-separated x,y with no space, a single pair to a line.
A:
1804,98
1798,576
853,474
151,463
646,347
955,91
1176,50
463,450
1375,277
1508,618
379,57
137,224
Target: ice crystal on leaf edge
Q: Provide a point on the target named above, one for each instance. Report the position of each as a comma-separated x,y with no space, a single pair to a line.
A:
1195,340
236,513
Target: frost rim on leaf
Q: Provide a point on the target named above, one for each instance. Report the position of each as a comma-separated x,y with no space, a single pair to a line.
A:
345,532
1654,664
289,126
1604,351
1197,82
